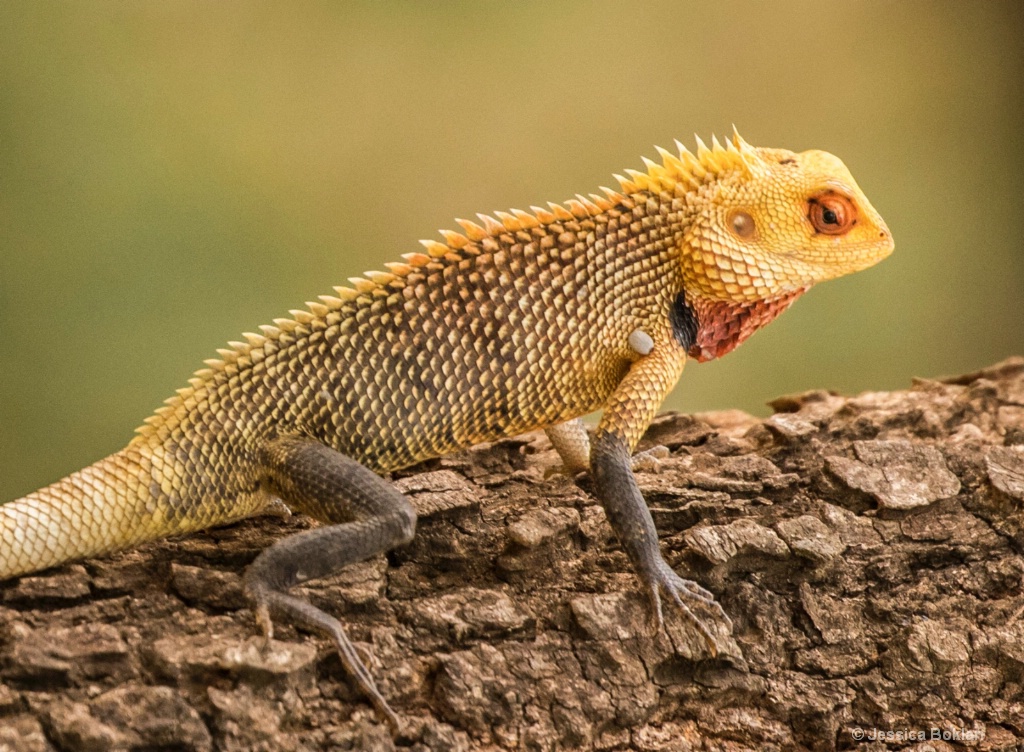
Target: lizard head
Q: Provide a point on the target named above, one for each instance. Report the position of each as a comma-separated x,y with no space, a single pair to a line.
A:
771,222
759,227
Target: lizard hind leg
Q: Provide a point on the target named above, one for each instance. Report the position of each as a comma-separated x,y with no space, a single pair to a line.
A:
367,517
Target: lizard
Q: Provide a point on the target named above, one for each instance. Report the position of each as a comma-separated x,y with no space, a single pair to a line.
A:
525,320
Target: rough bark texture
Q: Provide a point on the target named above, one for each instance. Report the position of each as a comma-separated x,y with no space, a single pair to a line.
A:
870,552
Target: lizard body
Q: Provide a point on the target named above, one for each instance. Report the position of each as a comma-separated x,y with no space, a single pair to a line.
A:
528,320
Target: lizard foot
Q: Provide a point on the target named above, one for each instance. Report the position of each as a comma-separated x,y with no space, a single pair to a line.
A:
352,656
649,460
265,624
689,597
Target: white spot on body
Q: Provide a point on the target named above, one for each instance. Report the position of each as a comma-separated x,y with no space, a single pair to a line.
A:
641,341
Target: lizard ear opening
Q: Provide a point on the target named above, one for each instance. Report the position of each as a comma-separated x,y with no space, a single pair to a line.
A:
742,225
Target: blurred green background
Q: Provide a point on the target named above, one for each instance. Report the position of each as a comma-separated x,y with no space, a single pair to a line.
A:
172,174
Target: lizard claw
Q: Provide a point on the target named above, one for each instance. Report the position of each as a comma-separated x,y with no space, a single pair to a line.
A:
688,597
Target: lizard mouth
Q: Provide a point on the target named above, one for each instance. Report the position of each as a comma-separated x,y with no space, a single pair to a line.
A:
852,258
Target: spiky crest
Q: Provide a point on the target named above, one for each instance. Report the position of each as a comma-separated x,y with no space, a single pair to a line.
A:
683,169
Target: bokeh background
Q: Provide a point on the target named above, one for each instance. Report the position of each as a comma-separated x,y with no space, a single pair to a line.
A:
172,174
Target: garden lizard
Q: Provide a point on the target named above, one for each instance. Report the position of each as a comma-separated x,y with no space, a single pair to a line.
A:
525,320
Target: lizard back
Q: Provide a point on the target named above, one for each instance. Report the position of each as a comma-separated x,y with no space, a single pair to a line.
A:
515,330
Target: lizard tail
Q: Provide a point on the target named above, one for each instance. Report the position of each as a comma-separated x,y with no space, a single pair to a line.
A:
110,505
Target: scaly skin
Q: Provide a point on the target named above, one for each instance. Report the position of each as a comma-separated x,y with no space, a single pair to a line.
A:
528,321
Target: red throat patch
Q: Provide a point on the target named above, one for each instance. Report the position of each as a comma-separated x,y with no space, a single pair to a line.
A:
722,324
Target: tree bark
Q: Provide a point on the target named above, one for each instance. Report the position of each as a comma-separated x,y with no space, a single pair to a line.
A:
868,551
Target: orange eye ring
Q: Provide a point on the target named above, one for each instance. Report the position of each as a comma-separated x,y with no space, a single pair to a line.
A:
832,213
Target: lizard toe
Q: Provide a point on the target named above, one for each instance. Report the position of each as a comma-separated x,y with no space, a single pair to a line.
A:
697,605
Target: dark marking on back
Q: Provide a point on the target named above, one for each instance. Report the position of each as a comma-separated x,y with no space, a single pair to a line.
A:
684,322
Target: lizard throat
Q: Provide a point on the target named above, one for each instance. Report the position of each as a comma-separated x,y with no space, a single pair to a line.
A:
722,325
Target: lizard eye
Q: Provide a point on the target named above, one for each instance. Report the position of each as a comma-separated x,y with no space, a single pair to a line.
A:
743,225
831,213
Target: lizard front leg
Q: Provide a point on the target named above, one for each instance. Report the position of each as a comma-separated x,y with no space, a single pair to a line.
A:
626,416
572,443
369,517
